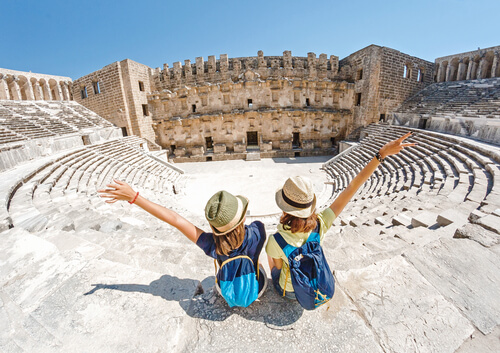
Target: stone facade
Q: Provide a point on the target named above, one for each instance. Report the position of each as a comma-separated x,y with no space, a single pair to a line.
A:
383,78
118,92
477,64
278,106
19,85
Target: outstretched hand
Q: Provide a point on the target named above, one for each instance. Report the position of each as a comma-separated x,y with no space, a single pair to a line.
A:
118,191
394,147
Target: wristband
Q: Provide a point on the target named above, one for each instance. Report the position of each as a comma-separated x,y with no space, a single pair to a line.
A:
135,198
379,157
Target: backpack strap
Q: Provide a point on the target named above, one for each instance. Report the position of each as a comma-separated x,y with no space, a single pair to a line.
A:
229,260
287,248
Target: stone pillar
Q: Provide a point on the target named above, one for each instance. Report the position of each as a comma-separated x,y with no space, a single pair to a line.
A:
469,69
322,65
448,72
4,88
16,92
481,69
188,71
261,63
311,64
461,70
224,66
494,65
287,60
200,69
29,91
439,73
58,92
65,91
38,91
47,94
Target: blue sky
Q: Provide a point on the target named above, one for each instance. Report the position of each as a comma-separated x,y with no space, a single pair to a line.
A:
74,38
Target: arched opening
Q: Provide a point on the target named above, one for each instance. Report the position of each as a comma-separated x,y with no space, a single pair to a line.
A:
25,88
35,86
486,64
3,87
45,90
462,69
13,87
55,90
453,70
497,69
442,74
475,66
436,71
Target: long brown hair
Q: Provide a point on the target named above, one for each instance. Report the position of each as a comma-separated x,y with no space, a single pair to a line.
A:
224,244
299,225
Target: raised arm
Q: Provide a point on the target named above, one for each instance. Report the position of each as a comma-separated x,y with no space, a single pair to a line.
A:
122,191
388,149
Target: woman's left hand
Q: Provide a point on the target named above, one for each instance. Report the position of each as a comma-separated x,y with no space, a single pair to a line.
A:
395,146
118,191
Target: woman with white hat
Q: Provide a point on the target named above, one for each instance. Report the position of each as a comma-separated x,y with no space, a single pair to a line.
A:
298,202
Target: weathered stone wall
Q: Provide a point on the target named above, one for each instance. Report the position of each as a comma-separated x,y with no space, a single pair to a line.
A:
224,69
294,105
275,128
383,79
118,97
477,64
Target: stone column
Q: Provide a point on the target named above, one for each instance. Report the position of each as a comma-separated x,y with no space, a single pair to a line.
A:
47,94
200,69
469,69
494,65
481,69
65,91
38,91
461,70
440,73
4,88
311,65
16,92
448,72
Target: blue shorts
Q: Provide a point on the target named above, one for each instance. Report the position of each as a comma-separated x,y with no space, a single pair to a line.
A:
275,274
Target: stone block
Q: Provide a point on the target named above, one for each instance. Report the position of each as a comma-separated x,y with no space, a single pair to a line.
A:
381,221
451,216
220,148
285,145
401,220
240,147
424,219
490,222
197,151
266,146
180,152
477,233
308,145
253,156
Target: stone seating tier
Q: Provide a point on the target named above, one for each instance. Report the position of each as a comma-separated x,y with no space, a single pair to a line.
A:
473,98
38,119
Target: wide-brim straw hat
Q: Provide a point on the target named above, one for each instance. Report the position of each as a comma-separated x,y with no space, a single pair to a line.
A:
225,212
297,197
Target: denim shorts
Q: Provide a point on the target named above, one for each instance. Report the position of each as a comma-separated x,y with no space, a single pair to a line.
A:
275,274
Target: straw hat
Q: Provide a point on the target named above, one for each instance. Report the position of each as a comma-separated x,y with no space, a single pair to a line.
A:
225,212
297,197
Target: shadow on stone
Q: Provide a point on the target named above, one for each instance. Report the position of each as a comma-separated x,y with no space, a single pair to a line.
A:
200,300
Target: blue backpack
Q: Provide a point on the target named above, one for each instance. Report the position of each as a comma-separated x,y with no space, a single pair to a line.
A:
238,281
312,280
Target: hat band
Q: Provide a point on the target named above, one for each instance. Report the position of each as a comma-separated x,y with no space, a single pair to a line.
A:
235,219
295,204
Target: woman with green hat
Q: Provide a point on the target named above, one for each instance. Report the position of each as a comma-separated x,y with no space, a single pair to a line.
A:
234,246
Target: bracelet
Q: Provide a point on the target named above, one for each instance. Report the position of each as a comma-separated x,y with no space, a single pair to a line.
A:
135,198
379,157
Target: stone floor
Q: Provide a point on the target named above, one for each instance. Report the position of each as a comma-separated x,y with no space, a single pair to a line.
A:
118,280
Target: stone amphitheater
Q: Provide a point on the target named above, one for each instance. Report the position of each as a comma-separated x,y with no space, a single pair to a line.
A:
416,253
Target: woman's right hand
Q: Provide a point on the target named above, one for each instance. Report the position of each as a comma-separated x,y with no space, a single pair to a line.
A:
394,147
118,191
